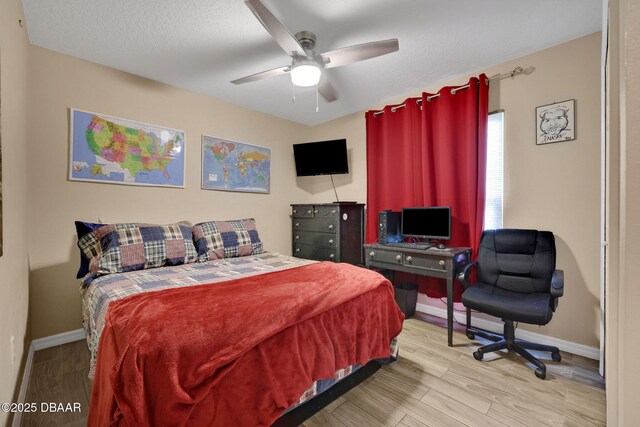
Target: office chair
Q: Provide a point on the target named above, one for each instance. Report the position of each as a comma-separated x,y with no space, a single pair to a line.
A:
518,282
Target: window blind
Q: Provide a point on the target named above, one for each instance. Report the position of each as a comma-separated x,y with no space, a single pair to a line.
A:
495,172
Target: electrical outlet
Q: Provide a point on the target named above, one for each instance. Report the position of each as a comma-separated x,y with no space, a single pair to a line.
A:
13,350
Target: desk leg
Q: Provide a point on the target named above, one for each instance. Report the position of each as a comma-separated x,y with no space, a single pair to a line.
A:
450,306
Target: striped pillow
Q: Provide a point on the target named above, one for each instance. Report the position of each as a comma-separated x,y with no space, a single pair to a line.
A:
117,248
226,239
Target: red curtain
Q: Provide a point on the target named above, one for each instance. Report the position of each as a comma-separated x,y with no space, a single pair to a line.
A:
393,161
431,154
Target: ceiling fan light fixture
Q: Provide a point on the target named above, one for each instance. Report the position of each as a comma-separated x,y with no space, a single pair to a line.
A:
306,74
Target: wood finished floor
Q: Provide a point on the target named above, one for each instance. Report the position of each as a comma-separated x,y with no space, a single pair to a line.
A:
430,385
59,374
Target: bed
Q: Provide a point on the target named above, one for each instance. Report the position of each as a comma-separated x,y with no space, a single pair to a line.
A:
231,341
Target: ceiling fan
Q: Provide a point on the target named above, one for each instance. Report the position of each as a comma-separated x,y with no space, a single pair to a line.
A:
307,67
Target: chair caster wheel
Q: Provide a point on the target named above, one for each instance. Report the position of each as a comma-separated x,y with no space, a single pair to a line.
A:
556,356
471,335
477,355
542,374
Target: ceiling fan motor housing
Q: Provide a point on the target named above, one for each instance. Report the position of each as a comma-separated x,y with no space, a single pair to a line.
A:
307,39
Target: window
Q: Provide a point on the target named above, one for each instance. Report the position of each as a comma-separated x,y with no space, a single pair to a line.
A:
494,183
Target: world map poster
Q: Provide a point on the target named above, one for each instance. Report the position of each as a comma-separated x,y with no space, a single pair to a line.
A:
118,151
234,166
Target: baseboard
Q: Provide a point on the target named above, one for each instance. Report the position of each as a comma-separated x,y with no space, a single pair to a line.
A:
568,346
58,339
26,375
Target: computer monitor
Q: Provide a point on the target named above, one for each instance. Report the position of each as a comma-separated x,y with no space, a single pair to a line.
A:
427,223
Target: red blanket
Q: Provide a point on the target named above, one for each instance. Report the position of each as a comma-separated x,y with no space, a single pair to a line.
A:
238,352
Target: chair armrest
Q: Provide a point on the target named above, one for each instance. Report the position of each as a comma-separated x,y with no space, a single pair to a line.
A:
557,283
463,276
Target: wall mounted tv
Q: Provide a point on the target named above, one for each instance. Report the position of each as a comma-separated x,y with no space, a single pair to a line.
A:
321,158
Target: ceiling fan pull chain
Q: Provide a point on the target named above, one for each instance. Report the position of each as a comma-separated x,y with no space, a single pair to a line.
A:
317,109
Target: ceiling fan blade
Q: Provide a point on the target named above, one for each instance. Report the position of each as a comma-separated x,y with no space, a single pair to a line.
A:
262,75
278,31
359,52
326,89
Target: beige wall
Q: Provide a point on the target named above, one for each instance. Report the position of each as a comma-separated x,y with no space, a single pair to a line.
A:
554,187
13,263
58,82
623,143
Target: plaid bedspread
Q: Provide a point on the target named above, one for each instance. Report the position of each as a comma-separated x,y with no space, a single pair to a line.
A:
104,289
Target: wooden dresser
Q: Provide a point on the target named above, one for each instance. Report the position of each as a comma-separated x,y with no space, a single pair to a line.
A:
328,232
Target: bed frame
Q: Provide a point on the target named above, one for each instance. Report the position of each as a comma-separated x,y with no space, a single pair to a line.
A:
300,414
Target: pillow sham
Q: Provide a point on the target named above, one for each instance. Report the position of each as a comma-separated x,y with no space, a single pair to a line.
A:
82,229
226,239
118,248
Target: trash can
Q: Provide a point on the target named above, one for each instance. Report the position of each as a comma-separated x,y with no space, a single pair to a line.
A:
406,294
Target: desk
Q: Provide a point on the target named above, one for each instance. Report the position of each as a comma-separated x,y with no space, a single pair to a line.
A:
432,262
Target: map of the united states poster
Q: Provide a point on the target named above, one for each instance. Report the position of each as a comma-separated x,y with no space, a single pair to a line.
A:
118,151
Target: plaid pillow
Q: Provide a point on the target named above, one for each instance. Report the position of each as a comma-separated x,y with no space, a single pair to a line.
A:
117,248
226,239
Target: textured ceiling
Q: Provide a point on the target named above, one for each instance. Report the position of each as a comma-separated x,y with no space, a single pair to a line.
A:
202,45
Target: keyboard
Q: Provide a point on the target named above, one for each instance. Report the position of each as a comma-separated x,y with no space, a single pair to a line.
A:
407,245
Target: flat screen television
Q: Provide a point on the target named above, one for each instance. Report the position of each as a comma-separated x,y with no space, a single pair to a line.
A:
321,158
427,223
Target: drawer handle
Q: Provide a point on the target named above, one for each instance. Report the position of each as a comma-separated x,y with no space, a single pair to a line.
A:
330,226
297,249
331,241
297,237
297,224
331,256
295,211
398,258
371,254
333,211
441,262
309,211
316,211
409,259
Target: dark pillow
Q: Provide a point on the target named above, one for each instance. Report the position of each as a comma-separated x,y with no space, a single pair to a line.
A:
226,239
82,229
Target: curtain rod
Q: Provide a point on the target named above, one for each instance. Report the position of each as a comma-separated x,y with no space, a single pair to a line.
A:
516,71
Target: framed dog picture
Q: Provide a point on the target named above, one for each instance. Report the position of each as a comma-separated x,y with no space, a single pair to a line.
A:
556,122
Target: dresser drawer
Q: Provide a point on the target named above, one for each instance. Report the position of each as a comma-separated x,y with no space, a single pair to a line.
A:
326,254
325,211
303,251
315,224
432,262
302,211
315,238
394,257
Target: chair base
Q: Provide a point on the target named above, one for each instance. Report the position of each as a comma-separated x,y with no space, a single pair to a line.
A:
508,341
